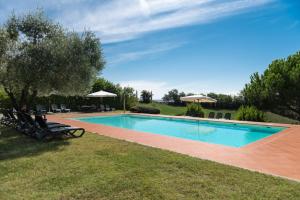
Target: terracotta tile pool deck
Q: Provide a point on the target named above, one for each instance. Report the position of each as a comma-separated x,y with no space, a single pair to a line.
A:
278,155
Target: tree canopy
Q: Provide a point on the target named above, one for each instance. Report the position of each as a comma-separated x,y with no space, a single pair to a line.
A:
146,96
278,87
173,96
40,57
225,101
103,84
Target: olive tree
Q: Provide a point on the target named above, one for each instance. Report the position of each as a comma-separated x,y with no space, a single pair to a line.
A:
39,57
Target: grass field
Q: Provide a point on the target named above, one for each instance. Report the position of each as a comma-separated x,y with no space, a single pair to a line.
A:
179,110
97,167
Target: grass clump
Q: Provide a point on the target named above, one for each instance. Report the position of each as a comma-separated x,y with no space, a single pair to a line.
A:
194,110
250,113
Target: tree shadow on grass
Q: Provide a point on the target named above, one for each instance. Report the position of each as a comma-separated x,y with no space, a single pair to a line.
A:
15,145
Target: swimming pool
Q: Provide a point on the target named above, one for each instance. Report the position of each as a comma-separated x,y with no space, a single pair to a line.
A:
229,134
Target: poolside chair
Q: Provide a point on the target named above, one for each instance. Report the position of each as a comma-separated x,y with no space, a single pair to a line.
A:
54,108
93,108
84,108
211,115
33,122
99,108
48,133
24,125
18,122
31,128
64,108
102,108
41,109
107,108
227,116
110,108
219,115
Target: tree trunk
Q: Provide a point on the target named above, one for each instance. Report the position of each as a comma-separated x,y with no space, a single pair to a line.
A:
12,98
32,98
24,98
25,101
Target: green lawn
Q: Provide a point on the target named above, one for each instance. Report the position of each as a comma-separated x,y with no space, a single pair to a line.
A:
97,167
167,109
179,110
272,117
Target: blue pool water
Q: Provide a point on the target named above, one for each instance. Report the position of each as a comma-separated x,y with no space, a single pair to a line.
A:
229,134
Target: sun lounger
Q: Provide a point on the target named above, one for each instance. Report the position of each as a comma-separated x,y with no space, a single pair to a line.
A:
93,108
24,125
219,115
41,109
47,132
64,108
54,108
33,122
28,126
227,116
102,108
107,108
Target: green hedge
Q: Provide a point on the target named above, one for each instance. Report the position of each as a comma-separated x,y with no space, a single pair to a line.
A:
144,109
250,113
72,102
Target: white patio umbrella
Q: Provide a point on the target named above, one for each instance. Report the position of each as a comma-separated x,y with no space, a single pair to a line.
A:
198,98
101,93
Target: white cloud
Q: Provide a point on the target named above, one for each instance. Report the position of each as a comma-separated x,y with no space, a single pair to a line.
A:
119,20
145,7
127,19
141,16
141,53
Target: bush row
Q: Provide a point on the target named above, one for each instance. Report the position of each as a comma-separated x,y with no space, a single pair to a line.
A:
144,109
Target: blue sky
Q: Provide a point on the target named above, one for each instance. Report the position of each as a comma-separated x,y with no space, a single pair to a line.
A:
197,46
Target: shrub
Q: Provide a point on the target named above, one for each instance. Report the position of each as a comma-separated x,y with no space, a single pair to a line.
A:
250,113
194,110
144,109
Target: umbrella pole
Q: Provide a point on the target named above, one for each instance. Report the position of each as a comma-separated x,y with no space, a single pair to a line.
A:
101,103
124,103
